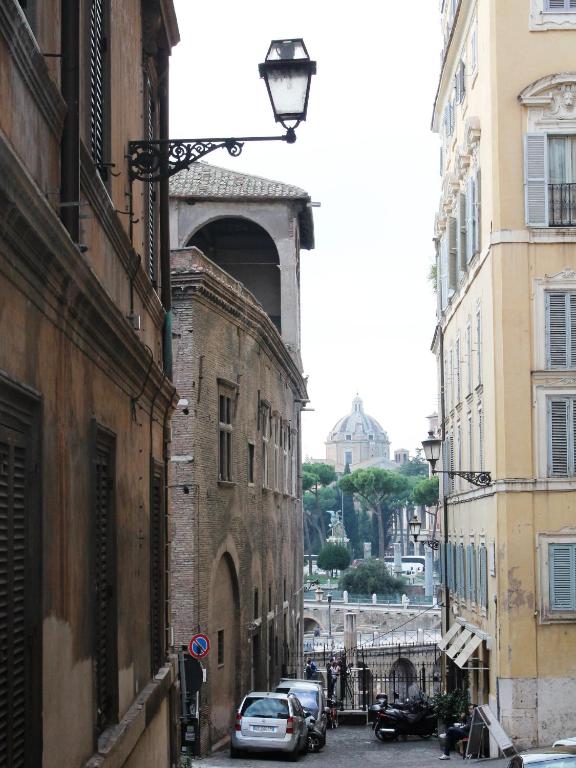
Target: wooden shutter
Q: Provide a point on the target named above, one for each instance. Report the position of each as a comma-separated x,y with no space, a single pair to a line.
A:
483,580
97,69
560,5
150,189
562,564
105,646
536,179
452,253
444,271
462,253
442,563
469,572
558,437
450,559
20,580
478,212
558,330
157,568
470,218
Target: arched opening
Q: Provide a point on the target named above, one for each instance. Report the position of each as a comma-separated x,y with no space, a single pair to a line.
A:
224,654
247,252
311,626
405,678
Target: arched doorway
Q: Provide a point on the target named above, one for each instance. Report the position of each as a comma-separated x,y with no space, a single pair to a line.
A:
404,677
311,625
225,647
247,252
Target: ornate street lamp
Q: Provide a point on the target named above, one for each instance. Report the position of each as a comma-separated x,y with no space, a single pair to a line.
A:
287,72
415,527
432,446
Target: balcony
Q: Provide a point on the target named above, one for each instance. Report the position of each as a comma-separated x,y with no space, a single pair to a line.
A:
562,205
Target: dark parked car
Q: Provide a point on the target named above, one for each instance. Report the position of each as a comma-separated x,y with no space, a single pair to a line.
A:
311,695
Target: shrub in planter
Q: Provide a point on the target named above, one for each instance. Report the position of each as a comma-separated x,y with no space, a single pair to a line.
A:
449,706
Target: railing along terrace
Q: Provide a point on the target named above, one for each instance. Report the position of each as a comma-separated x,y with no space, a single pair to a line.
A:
562,205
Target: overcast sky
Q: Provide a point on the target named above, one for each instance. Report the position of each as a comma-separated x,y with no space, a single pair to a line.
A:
367,155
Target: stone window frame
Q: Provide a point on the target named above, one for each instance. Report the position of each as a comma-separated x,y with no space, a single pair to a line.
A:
541,20
227,390
266,422
547,616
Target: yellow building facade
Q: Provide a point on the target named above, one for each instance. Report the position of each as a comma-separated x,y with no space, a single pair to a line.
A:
505,112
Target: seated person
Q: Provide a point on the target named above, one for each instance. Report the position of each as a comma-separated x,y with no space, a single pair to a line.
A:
457,732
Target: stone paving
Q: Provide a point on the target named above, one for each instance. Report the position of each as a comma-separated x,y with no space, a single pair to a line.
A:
355,747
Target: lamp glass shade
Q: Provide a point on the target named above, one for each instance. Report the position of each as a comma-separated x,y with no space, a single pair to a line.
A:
287,73
431,448
415,526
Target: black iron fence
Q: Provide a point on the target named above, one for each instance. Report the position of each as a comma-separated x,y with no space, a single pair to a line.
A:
400,672
562,205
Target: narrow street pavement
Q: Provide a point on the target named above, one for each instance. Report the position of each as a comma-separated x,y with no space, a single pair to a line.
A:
354,747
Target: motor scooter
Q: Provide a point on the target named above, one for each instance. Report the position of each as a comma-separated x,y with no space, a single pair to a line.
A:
419,719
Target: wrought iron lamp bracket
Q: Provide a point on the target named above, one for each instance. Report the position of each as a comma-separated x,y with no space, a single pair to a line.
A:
156,160
481,479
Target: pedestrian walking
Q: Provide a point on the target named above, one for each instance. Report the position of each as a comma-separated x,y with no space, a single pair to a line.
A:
333,675
457,732
311,669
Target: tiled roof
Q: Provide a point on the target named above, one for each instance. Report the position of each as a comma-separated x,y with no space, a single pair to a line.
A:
206,181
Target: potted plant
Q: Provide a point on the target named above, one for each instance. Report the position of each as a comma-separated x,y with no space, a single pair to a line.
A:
449,706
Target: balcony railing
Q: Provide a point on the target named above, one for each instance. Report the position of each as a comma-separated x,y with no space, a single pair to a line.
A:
562,205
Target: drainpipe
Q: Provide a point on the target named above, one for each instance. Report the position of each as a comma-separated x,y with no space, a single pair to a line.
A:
164,184
70,142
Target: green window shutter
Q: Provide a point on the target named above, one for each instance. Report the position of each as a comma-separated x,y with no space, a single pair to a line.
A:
483,568
452,253
562,563
558,330
442,558
462,244
558,437
469,572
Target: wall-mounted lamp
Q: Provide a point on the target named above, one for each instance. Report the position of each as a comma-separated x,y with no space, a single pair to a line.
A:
432,446
415,527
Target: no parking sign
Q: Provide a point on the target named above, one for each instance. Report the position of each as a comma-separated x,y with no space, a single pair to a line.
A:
199,645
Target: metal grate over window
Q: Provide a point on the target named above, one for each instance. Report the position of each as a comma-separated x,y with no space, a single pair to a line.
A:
97,68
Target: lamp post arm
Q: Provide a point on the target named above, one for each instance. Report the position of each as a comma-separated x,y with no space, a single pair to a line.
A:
481,479
160,159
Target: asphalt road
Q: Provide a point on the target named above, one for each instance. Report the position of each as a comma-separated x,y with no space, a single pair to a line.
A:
352,747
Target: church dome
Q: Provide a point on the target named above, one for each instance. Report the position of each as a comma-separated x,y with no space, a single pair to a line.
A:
357,425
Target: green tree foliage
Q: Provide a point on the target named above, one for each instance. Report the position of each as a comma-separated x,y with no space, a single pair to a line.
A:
351,522
449,707
333,557
316,479
425,494
369,577
415,467
384,492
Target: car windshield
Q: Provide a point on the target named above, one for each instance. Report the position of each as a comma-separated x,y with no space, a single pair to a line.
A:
550,761
276,709
308,699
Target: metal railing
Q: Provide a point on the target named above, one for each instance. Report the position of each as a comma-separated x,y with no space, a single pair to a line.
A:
562,205
392,600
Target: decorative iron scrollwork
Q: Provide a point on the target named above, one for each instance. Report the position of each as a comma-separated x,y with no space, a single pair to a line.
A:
481,479
155,160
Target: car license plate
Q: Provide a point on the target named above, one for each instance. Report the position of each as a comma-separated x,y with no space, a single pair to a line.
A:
263,728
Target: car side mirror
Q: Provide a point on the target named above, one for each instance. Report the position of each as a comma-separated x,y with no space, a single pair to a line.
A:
307,713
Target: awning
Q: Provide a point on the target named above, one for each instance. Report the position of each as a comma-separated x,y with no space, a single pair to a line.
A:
468,650
445,641
458,643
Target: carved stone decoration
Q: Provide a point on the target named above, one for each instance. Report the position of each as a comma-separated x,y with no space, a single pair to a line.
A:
566,274
551,100
563,106
472,134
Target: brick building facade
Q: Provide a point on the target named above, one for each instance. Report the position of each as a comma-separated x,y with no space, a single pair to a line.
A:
235,489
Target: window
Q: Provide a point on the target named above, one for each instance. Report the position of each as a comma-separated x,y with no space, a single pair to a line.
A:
561,417
158,567
473,201
461,234
256,603
98,74
480,438
370,437
560,5
286,457
348,457
550,180
482,581
266,426
560,330
220,647
20,579
225,434
478,347
251,463
150,189
105,580
470,457
562,564
460,82
457,366
474,49
471,573
468,358
277,465
348,437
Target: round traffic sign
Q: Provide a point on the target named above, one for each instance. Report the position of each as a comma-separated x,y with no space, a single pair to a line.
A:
199,646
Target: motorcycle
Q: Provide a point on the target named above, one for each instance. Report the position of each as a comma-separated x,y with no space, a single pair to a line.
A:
418,719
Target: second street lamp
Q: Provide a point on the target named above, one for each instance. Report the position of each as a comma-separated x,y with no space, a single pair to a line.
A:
432,446
287,72
415,527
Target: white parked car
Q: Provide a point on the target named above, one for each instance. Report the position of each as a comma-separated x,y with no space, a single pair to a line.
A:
270,722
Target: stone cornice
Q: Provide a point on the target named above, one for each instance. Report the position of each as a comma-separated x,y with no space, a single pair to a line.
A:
208,282
42,262
31,64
